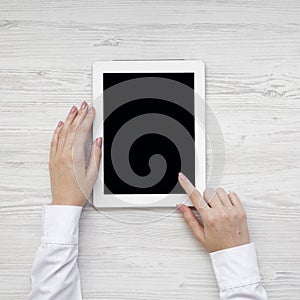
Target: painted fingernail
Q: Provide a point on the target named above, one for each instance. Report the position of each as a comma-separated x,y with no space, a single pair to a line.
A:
59,123
181,176
99,142
83,105
179,207
73,109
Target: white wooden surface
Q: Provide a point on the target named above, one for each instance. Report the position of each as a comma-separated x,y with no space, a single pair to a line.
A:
252,53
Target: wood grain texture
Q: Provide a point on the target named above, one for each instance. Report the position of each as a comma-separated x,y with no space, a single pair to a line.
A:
252,55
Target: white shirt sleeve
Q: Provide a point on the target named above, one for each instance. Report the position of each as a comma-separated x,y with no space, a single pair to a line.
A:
237,273
55,272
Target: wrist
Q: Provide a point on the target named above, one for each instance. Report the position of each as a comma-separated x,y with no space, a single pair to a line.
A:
64,201
66,204
229,245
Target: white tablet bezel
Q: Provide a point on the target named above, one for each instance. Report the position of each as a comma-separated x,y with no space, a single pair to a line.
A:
169,66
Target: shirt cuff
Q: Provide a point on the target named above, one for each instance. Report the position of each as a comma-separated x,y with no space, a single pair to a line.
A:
235,267
60,224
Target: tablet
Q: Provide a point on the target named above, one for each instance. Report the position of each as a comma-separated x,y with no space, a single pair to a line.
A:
151,115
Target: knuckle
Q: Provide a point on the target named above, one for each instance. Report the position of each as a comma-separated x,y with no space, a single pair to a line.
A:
243,215
188,218
66,157
83,129
206,191
220,190
239,215
89,117
209,195
70,116
211,220
195,195
53,143
62,135
72,130
225,216
233,194
62,131
234,214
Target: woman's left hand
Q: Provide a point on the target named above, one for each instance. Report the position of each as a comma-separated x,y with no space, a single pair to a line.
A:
72,180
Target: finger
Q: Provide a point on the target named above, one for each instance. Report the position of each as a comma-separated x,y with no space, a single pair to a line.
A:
81,136
84,128
193,194
235,199
212,198
55,138
94,162
223,197
81,115
69,120
192,222
72,131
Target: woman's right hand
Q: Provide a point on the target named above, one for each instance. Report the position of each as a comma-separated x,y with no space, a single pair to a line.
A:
224,218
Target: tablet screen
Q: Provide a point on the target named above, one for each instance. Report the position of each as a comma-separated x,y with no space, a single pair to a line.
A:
148,134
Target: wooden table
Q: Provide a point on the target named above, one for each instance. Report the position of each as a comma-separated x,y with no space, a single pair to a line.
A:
252,55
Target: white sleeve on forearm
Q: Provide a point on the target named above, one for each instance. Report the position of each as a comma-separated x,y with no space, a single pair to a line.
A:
237,273
55,273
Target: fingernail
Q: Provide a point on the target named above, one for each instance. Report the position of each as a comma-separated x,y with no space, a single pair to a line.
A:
73,109
181,176
179,207
92,109
83,105
99,142
59,123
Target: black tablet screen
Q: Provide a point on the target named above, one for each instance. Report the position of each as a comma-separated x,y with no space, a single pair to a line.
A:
148,134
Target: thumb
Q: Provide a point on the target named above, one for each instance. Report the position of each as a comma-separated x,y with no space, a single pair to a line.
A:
94,161
191,220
